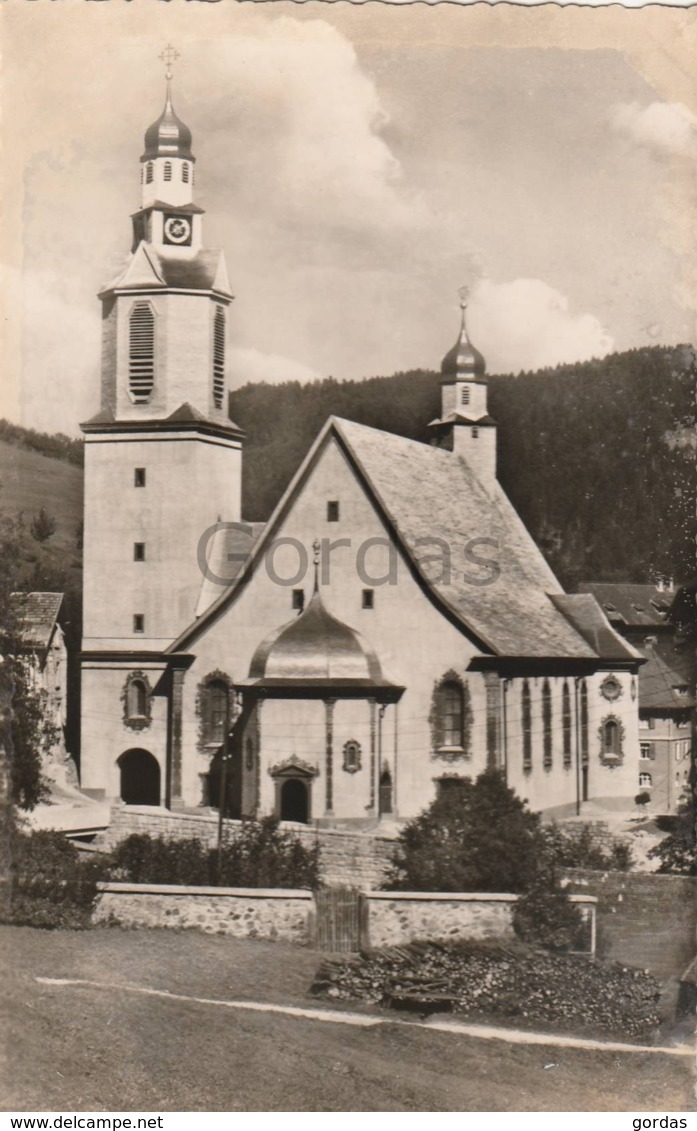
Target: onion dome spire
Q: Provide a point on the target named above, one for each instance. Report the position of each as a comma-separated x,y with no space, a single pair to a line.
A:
464,362
168,136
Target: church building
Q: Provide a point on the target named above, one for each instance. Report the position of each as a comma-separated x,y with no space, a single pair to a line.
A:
390,629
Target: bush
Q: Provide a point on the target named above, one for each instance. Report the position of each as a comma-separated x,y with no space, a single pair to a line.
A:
478,836
496,980
576,848
678,851
545,916
643,798
258,855
52,885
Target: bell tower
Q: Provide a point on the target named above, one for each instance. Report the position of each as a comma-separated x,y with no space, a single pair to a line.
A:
162,457
465,426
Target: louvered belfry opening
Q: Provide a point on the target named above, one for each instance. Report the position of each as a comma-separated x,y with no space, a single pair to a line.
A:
141,352
219,357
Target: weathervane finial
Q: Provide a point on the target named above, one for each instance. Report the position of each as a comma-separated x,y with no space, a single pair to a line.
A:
464,294
169,56
316,547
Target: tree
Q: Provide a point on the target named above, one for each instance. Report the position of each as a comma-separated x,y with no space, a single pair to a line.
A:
43,525
26,733
678,851
477,836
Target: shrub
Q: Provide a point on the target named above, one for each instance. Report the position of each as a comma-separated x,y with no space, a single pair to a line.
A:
498,980
52,884
545,916
143,859
256,855
42,526
643,798
677,852
477,837
576,848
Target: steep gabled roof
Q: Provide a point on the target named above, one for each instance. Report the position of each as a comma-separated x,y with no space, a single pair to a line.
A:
37,614
436,507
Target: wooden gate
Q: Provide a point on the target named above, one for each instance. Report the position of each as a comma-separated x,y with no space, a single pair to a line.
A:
338,913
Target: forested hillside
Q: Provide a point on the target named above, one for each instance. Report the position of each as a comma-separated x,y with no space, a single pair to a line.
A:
597,457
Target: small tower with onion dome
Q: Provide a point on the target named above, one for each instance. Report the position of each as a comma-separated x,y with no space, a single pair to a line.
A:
465,426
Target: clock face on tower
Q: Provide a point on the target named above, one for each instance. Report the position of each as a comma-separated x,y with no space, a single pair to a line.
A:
177,230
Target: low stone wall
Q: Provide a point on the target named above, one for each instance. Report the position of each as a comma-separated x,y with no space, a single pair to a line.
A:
399,917
393,918
347,858
253,913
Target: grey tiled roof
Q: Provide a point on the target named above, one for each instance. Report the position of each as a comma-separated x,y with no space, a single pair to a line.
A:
628,604
433,494
37,614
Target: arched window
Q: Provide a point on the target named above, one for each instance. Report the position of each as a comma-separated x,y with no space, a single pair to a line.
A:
141,352
185,172
449,706
611,737
526,712
219,357
584,723
352,756
168,171
566,722
385,791
137,699
546,725
465,395
148,173
217,710
645,780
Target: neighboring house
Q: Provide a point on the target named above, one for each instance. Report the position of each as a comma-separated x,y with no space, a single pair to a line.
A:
43,644
391,629
656,621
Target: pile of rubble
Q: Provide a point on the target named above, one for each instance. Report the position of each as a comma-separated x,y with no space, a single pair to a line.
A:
500,981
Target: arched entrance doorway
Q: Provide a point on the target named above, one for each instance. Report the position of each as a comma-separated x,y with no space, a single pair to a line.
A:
294,801
140,778
385,791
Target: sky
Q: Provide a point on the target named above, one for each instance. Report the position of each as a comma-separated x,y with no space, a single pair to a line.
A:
358,165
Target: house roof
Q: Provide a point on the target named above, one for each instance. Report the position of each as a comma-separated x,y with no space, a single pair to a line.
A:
667,680
37,614
499,586
226,554
627,605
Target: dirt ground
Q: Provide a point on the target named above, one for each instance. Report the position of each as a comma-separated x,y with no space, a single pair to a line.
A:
82,1049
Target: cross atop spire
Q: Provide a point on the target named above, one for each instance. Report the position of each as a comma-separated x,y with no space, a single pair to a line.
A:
464,295
169,56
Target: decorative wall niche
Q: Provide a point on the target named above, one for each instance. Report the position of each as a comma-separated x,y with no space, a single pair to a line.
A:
352,756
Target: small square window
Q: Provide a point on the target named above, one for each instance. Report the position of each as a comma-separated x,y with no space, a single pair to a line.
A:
139,551
333,511
299,599
139,477
368,598
475,433
138,622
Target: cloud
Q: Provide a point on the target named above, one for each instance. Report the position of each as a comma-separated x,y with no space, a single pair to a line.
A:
662,127
526,324
250,365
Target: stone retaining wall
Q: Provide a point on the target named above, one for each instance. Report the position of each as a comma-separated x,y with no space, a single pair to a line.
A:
253,913
396,917
347,858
